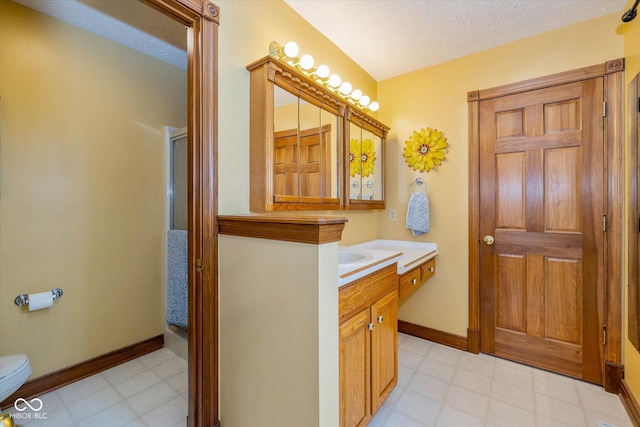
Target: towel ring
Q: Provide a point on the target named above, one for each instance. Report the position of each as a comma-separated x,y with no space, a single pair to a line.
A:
419,182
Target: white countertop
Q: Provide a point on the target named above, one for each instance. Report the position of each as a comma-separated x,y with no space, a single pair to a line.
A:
381,253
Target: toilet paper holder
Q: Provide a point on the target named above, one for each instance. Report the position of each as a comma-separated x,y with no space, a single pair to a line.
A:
23,299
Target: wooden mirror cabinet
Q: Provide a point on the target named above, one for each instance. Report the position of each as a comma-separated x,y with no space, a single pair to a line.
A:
365,158
299,154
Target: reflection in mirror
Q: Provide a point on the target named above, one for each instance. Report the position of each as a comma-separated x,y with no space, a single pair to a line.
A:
365,165
371,166
305,150
329,125
285,153
355,162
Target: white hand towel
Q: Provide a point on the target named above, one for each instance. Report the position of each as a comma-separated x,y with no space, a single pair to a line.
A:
418,214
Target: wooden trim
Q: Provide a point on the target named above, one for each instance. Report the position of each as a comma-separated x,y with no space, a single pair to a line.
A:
611,71
474,217
614,187
202,18
609,67
630,403
63,377
302,229
633,226
473,340
613,375
440,337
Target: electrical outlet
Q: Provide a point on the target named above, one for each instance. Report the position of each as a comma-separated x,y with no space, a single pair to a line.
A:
392,214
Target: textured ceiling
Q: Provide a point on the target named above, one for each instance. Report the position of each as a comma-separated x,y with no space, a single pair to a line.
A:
393,37
385,37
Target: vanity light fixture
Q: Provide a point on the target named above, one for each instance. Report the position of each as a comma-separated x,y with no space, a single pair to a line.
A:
305,63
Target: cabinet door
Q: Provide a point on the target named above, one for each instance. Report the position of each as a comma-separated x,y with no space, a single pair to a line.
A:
384,349
355,369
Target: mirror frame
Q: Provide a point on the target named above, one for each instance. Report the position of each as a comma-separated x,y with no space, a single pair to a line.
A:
202,18
365,122
265,74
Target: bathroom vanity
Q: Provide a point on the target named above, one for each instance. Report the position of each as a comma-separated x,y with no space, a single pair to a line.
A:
372,276
368,311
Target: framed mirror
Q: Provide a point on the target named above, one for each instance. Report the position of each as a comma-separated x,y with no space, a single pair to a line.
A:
634,215
296,129
364,158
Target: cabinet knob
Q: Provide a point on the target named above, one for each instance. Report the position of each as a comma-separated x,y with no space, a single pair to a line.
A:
414,281
430,269
371,326
380,319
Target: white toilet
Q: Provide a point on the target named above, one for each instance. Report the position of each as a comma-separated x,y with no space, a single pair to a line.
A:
14,371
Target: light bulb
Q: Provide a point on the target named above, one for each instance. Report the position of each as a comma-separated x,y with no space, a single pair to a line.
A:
345,88
365,100
356,94
306,62
374,106
322,71
334,80
290,49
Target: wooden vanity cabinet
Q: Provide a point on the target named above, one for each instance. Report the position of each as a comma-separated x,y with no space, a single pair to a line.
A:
368,310
416,277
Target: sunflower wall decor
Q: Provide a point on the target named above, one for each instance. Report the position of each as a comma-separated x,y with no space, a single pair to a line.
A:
424,150
362,157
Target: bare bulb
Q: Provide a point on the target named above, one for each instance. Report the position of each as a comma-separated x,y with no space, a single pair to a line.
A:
322,71
374,106
334,80
291,49
365,100
345,88
356,94
306,62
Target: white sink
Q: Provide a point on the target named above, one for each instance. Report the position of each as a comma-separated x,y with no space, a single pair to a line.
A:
349,257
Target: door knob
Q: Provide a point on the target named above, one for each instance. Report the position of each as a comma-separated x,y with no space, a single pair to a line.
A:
489,240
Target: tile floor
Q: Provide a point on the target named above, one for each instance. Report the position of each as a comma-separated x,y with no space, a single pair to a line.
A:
148,391
443,387
438,386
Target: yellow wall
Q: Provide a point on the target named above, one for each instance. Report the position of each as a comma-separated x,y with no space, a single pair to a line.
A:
82,190
437,97
632,68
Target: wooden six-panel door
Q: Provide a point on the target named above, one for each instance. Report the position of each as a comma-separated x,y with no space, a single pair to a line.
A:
541,222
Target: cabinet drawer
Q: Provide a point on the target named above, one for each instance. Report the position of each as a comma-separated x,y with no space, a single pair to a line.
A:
428,269
365,291
409,281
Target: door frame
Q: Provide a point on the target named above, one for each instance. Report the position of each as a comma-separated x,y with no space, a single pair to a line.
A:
612,73
202,18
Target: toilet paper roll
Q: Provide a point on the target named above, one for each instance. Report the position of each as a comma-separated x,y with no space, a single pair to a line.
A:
40,300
